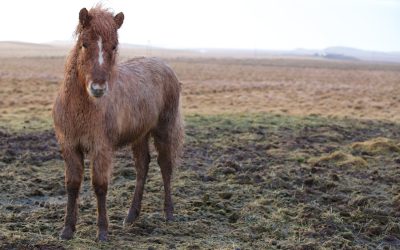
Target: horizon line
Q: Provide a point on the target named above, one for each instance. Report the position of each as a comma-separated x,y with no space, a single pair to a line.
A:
52,43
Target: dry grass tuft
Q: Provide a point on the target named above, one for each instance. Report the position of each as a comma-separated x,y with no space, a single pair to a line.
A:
377,146
340,159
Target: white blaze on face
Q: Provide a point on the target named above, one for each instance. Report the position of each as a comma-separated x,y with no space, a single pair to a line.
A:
100,44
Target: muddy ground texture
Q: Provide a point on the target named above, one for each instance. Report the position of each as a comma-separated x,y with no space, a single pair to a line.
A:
246,182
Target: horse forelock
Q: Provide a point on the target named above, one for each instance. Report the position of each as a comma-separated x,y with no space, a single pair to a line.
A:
102,23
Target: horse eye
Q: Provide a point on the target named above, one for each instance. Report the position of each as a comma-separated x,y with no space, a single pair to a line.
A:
84,45
114,47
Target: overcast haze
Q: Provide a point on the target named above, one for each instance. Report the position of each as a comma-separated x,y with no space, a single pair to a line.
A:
247,24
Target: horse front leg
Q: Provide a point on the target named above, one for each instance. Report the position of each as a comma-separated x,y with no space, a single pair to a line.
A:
101,172
73,178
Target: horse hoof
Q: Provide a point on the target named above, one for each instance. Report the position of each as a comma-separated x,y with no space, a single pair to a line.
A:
127,222
130,219
66,234
169,217
102,236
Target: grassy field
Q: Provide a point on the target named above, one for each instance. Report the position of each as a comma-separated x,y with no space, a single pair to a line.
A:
280,153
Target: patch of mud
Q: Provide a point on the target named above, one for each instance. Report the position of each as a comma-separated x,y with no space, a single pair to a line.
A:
32,149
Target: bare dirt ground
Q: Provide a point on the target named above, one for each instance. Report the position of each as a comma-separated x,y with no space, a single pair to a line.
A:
282,153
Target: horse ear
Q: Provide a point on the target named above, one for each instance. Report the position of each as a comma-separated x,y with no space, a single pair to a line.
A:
84,17
119,19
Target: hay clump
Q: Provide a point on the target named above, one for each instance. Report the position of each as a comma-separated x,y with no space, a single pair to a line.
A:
377,146
340,159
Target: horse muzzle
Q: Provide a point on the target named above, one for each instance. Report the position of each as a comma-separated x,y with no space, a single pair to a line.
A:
97,90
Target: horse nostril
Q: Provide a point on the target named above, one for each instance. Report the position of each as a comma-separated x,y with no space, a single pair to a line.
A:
96,86
97,90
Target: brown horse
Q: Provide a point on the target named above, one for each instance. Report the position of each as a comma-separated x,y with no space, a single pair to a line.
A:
102,106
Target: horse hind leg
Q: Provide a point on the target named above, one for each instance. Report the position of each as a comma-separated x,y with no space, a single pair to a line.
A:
168,143
142,160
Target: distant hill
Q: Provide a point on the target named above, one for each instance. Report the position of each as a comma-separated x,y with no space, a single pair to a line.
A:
12,44
22,49
364,55
61,48
346,53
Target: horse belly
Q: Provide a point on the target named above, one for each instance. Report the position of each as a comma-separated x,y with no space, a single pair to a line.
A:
131,129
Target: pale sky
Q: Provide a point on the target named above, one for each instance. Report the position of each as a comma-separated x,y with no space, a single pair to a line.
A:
245,24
